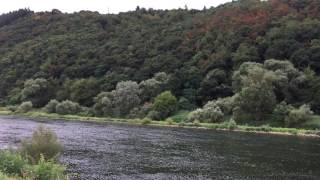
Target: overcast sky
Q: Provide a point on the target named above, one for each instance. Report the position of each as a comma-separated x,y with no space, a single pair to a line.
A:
103,6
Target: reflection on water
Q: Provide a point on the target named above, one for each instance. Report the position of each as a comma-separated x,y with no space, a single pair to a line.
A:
139,152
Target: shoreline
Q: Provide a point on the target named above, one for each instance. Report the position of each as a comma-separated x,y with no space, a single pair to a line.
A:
266,130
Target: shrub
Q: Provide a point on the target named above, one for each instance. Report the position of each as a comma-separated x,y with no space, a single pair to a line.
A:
169,121
196,123
298,116
210,113
140,112
51,106
154,115
43,142
5,177
11,163
265,128
68,107
146,121
180,116
12,108
165,103
232,124
25,107
195,115
185,104
281,111
226,104
86,112
47,170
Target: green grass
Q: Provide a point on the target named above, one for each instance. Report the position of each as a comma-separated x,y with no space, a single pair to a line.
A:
175,121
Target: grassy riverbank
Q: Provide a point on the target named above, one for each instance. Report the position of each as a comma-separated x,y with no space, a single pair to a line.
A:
35,114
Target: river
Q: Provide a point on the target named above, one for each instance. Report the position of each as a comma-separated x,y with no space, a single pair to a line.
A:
111,151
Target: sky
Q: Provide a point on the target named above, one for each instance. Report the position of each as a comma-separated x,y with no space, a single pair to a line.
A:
104,6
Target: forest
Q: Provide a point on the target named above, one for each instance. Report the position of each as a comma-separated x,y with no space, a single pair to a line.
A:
247,61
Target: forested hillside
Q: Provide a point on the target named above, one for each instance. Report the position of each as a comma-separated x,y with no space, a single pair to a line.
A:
105,60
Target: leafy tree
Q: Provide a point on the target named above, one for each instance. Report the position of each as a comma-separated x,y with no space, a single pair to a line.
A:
150,88
126,97
298,116
38,91
104,105
245,53
256,99
83,91
165,103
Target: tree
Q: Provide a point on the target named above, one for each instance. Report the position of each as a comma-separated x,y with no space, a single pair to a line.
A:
245,53
38,91
150,88
256,98
215,85
126,97
165,103
104,105
83,91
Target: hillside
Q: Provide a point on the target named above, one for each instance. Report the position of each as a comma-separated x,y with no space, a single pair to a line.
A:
85,53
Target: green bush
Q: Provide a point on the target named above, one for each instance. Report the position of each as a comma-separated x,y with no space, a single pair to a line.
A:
12,108
146,121
210,113
43,142
180,116
232,124
47,170
68,107
298,116
169,121
11,163
265,128
5,177
154,115
51,106
281,111
185,104
25,107
165,103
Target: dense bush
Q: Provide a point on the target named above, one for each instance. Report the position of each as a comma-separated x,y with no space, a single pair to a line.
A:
298,116
154,115
210,113
281,111
25,107
5,177
68,107
44,142
165,103
47,170
11,163
51,106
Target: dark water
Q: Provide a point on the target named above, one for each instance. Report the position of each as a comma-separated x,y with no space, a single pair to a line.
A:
138,152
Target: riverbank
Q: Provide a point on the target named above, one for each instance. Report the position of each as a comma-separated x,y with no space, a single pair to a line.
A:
226,126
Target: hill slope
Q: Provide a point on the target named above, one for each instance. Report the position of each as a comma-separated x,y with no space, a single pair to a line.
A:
199,49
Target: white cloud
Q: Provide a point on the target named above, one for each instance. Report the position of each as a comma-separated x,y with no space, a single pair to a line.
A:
103,6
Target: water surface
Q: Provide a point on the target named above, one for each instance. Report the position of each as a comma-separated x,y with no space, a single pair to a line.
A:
112,151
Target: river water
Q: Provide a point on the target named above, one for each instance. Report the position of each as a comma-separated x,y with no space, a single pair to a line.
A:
110,151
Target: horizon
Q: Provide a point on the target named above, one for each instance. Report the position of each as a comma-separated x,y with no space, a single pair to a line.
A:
106,7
